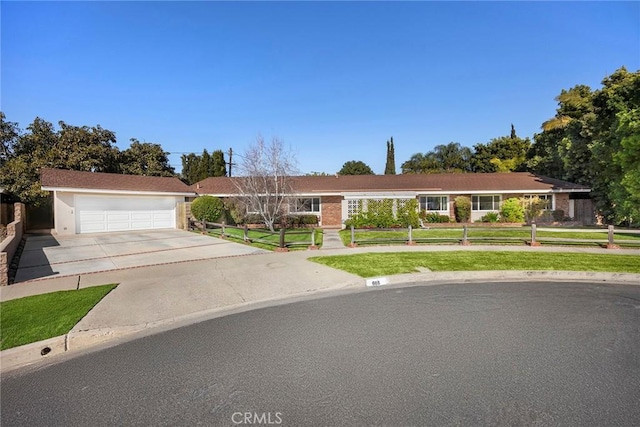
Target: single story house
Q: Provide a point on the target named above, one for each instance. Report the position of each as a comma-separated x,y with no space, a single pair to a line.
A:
92,202
335,198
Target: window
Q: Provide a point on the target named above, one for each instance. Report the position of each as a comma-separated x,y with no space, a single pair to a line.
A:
307,205
434,203
485,203
547,198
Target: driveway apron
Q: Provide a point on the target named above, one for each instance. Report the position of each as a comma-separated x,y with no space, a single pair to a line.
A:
55,256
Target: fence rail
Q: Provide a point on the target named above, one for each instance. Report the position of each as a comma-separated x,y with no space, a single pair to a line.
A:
406,235
250,235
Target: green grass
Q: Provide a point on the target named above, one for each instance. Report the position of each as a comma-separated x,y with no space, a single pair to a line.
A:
454,234
380,264
298,241
38,317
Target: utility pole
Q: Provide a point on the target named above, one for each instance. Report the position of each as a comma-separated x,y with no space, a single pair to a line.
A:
230,160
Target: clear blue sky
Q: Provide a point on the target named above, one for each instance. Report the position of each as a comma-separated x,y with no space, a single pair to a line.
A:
334,80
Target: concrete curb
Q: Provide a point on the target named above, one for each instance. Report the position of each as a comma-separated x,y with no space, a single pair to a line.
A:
79,340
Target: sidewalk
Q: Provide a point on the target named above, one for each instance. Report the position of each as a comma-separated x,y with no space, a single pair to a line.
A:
160,295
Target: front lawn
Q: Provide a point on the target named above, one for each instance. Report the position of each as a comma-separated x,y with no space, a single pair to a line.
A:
295,238
381,264
38,317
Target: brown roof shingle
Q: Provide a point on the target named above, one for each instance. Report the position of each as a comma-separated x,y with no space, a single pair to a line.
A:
454,182
61,178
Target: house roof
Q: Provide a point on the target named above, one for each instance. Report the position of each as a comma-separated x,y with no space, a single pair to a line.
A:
453,182
68,179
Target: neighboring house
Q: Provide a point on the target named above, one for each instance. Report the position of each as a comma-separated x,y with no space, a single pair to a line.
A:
335,198
91,202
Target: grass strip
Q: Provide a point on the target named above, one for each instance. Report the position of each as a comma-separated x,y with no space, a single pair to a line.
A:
295,239
380,264
36,318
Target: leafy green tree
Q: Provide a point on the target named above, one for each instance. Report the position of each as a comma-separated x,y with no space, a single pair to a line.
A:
198,167
444,158
146,158
504,154
390,168
9,133
71,147
219,166
355,167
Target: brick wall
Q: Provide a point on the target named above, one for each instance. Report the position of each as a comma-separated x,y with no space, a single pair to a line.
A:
562,202
331,211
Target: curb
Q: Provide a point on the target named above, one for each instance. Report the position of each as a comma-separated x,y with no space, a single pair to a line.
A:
79,340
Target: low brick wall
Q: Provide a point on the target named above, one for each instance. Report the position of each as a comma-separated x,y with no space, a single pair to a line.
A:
8,246
8,249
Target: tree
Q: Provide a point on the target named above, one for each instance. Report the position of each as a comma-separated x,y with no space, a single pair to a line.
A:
9,133
266,182
627,194
504,154
446,158
71,147
390,168
146,159
196,168
355,167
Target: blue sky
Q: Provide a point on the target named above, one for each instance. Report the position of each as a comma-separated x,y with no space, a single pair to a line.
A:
333,80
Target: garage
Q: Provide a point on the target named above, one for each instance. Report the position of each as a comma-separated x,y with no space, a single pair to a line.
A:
96,202
96,214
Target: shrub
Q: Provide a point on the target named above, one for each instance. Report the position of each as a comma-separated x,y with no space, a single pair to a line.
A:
300,220
207,208
558,215
462,208
490,217
534,208
434,217
253,218
407,214
235,212
512,211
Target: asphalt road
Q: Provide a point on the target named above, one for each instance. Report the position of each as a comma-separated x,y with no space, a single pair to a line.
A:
465,354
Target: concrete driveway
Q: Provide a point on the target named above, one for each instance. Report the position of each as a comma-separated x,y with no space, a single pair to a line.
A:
56,256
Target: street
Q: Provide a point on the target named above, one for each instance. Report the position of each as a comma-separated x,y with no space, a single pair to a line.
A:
528,353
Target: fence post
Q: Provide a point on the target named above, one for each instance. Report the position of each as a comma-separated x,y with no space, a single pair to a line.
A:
411,242
465,236
281,247
246,233
534,231
222,235
353,238
610,243
313,239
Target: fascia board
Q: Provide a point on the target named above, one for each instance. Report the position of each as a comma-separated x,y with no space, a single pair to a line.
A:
123,192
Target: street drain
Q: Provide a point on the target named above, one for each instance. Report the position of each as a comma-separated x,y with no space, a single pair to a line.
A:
45,351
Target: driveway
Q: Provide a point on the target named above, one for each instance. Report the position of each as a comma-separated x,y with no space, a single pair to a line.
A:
56,256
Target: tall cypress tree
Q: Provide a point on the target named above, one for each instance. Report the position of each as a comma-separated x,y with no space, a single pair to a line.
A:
390,168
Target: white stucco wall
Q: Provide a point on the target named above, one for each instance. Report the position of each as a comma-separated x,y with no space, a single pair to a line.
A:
64,215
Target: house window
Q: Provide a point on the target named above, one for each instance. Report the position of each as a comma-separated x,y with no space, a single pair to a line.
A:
547,198
307,205
434,203
485,203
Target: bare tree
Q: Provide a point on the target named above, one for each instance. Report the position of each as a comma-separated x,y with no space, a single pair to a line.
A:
266,185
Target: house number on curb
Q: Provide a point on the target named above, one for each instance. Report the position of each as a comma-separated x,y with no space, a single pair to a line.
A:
379,281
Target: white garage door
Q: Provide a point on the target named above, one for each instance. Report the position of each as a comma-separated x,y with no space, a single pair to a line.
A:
95,214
